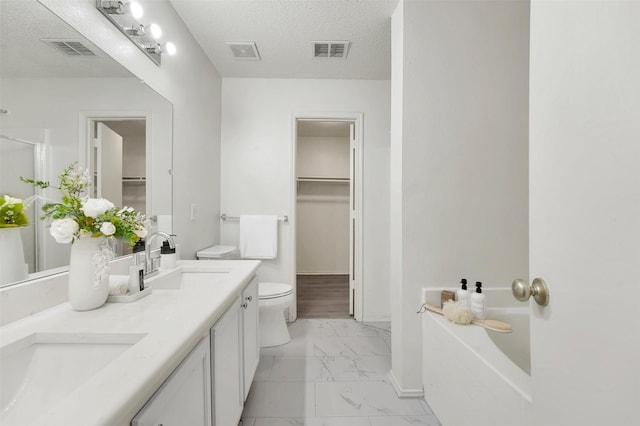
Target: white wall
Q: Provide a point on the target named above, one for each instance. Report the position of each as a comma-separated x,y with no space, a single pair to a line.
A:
323,156
459,164
585,211
257,172
191,83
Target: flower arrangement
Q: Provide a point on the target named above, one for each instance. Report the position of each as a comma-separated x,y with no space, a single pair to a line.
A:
78,215
12,211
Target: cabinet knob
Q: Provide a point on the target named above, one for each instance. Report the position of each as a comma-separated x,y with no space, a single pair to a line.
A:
249,298
244,305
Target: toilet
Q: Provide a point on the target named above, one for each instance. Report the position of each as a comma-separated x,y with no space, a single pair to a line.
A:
273,299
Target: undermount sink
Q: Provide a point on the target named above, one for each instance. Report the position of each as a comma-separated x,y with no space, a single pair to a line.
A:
40,370
176,279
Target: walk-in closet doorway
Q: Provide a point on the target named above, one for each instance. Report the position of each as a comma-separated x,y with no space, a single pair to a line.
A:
327,238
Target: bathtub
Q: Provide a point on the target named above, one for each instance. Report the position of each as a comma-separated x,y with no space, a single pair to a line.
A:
474,376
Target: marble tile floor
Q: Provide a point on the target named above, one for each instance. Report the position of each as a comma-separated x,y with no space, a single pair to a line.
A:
332,373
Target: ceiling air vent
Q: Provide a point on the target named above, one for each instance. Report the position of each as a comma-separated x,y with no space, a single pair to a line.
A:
244,50
69,47
330,49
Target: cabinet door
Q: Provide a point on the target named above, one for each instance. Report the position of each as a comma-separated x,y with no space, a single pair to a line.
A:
185,397
227,367
251,342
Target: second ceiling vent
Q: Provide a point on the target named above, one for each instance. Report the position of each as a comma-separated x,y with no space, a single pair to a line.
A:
330,49
244,50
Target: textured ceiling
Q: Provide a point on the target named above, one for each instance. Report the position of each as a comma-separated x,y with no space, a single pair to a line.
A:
23,23
283,31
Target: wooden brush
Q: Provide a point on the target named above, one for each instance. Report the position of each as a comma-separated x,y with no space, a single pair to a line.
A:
494,325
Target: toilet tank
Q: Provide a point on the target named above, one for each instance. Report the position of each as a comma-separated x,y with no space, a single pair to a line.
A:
218,252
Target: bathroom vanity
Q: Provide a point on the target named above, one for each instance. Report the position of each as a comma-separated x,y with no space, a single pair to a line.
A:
186,352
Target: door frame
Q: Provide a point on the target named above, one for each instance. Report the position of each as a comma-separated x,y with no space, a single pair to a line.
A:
87,118
356,267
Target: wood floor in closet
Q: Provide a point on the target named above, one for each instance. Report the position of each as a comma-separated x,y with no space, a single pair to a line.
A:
323,296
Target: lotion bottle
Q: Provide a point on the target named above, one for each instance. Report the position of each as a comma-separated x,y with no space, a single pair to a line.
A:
462,294
136,269
477,302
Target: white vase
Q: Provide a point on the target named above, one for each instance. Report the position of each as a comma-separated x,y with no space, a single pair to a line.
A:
12,266
88,273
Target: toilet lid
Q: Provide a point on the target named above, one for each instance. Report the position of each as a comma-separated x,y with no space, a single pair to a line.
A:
273,290
215,252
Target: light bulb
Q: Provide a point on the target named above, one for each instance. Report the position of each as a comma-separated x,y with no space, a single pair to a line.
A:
134,8
155,30
170,48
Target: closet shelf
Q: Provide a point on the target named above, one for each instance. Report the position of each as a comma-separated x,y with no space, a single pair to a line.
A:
324,198
134,179
323,179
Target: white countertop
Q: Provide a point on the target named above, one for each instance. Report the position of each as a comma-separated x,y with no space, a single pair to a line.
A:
173,322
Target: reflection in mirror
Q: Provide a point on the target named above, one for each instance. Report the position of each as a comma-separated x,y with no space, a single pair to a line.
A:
56,87
118,165
18,156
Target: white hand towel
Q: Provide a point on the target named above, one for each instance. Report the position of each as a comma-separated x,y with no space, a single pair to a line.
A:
118,285
258,236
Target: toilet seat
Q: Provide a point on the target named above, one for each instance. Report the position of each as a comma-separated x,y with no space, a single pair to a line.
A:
273,290
217,252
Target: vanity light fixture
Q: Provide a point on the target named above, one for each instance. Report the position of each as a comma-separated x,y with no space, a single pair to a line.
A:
117,7
135,31
125,16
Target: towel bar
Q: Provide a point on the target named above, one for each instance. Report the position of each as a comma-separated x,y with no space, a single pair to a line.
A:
224,216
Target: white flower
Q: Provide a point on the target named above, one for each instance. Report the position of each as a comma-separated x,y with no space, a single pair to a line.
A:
63,230
94,207
10,200
108,229
124,210
80,174
142,232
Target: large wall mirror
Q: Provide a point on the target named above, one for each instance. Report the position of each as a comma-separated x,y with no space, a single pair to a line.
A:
64,100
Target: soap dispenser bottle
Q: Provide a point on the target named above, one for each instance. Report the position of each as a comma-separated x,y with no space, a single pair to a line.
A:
167,256
136,269
462,294
477,302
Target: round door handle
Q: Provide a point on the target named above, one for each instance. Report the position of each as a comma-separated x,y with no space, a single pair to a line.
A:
538,289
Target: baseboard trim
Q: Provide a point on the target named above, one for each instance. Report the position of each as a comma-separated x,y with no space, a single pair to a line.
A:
404,393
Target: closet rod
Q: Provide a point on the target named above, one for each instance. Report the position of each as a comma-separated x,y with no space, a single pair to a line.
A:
224,216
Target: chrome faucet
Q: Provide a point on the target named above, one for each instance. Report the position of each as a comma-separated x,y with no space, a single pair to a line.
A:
151,264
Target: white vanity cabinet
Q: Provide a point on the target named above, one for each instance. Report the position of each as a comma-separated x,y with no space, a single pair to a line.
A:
185,397
251,341
210,386
226,366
